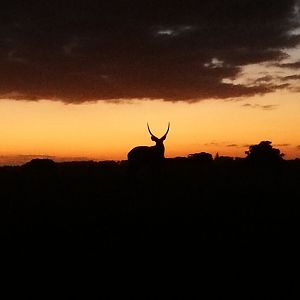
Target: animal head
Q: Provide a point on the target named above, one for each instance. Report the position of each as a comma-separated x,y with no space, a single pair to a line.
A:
156,139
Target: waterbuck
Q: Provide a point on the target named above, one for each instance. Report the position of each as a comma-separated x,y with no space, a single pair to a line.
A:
144,154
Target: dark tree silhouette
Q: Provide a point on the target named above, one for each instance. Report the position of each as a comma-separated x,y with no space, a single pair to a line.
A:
40,164
202,156
222,158
264,153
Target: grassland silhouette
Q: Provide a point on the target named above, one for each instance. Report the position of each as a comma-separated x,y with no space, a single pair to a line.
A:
194,207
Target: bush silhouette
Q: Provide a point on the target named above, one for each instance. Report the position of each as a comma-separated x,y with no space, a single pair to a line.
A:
264,153
40,164
202,156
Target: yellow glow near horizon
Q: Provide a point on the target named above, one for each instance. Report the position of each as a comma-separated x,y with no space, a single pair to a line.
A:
109,130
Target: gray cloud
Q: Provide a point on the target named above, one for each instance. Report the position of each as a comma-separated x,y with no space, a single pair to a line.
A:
259,106
291,77
78,51
264,79
282,145
293,65
212,144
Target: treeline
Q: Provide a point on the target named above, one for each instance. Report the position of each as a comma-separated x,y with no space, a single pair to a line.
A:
196,202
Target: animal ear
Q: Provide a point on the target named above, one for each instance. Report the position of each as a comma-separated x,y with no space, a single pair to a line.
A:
153,138
163,138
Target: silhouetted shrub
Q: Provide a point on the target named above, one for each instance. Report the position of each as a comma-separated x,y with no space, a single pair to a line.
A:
264,153
40,164
202,156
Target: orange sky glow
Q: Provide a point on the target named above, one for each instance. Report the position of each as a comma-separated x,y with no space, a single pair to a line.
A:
107,131
82,83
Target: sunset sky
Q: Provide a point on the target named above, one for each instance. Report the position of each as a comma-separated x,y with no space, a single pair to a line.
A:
81,79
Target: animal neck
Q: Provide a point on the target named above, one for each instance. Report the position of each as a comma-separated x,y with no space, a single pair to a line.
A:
160,147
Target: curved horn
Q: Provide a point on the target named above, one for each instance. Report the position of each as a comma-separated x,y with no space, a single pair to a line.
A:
150,131
164,136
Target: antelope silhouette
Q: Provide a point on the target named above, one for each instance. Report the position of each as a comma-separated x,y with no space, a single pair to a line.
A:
145,154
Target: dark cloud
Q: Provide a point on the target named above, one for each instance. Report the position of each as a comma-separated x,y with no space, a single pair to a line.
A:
264,107
266,78
212,144
293,65
222,144
282,145
173,50
291,77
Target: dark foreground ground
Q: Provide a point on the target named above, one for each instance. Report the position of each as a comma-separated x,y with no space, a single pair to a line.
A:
225,225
